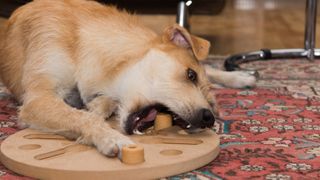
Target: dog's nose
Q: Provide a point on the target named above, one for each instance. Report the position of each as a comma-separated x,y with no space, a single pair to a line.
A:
207,118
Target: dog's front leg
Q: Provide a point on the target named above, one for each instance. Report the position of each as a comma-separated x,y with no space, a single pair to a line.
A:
102,106
234,79
43,108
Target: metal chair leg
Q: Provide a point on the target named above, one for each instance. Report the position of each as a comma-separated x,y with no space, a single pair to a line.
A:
233,62
310,28
183,15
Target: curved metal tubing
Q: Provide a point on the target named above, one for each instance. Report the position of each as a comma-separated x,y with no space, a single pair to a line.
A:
233,62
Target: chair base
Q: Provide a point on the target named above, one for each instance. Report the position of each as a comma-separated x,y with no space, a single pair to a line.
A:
233,62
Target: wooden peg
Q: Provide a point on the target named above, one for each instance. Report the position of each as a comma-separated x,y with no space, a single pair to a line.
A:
162,121
133,154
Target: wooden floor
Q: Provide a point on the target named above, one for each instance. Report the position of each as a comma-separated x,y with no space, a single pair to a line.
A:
246,25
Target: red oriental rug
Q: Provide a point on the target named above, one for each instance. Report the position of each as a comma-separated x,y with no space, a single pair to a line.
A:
271,132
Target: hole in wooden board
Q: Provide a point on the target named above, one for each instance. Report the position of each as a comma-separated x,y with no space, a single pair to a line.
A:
30,146
132,146
72,148
44,136
170,152
163,140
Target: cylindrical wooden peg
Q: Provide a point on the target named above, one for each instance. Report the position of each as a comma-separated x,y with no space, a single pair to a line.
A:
132,154
162,121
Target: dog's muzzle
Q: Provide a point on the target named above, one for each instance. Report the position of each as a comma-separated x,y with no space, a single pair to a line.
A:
202,119
206,118
141,120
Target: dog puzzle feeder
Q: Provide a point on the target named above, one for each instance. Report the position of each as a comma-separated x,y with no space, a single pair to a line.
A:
48,156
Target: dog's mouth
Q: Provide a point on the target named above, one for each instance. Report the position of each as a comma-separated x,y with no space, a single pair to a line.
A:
139,121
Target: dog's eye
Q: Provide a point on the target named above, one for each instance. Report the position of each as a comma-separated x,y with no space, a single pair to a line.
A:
192,75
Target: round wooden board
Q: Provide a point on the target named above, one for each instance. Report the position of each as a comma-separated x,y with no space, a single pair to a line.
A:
39,155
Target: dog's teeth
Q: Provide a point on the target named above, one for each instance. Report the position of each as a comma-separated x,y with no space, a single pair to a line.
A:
188,126
136,131
137,118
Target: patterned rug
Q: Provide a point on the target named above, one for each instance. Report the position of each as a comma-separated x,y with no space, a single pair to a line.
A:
270,132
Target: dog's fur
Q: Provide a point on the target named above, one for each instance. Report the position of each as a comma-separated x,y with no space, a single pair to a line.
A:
61,51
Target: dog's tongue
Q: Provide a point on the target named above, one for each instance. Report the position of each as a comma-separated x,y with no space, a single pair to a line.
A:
151,115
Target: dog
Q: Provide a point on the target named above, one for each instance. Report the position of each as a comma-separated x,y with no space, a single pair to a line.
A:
74,64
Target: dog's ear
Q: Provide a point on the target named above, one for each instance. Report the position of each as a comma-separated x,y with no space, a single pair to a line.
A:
181,37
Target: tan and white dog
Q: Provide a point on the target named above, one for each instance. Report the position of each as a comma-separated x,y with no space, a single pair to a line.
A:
60,56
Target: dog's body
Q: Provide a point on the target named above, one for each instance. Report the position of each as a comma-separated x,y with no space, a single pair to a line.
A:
81,53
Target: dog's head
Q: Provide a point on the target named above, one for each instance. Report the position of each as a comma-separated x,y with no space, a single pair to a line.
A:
169,78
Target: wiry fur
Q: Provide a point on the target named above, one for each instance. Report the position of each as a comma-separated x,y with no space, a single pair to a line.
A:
116,63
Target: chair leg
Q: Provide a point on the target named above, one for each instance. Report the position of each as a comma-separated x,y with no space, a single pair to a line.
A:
233,62
310,28
183,15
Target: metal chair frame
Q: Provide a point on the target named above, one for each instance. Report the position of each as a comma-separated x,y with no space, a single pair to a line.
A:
309,52
233,62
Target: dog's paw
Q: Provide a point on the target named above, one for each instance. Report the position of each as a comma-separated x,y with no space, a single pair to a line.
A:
111,145
242,79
